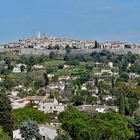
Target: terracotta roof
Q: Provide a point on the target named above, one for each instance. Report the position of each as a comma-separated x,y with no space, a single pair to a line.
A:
48,100
35,98
38,98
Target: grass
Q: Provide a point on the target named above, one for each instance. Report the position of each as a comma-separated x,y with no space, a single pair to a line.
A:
89,62
54,62
11,75
70,71
64,72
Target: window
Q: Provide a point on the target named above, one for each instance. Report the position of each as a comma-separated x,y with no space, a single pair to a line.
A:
43,107
50,107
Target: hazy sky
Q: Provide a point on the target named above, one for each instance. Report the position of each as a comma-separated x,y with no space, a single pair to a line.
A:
104,20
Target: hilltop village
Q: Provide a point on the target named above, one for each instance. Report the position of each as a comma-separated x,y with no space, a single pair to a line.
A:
68,94
43,41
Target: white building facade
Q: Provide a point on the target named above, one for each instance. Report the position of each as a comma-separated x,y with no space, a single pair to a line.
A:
51,106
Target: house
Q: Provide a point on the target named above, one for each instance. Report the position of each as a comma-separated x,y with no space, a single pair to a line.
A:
92,108
19,103
97,108
100,108
55,122
50,76
2,46
17,68
133,75
46,131
60,85
87,108
18,87
12,98
106,73
97,64
98,74
36,99
116,74
15,105
14,93
64,78
107,97
83,87
51,105
27,89
110,64
66,66
53,86
38,66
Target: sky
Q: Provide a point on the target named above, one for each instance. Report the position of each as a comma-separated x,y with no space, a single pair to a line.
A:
103,20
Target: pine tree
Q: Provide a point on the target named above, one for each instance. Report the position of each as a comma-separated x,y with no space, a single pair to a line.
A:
112,82
96,81
100,92
45,75
121,105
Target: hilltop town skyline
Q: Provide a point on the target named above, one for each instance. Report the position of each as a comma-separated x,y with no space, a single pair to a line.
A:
33,36
43,41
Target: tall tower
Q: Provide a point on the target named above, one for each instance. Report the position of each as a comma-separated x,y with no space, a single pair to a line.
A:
44,35
38,40
38,36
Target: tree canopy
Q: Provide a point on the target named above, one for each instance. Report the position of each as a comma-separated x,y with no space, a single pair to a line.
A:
106,126
30,130
24,114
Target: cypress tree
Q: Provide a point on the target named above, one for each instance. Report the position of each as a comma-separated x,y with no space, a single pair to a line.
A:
6,120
